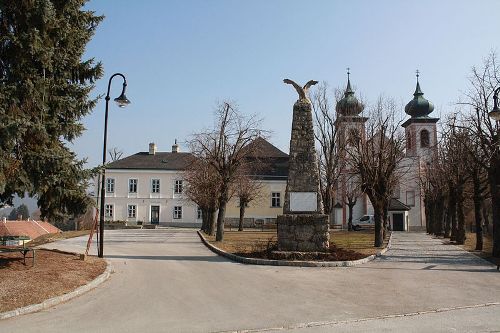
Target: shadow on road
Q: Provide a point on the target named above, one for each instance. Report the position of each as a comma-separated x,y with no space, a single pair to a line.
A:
172,258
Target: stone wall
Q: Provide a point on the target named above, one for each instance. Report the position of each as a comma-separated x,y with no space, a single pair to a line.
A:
303,232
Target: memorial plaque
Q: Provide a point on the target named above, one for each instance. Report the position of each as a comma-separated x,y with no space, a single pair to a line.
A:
303,201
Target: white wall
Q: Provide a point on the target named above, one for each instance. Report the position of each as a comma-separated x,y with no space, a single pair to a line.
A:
144,198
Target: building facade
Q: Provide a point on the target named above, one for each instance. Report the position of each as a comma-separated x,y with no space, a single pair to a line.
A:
406,211
148,188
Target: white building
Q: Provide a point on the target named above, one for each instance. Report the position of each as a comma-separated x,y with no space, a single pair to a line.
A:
147,188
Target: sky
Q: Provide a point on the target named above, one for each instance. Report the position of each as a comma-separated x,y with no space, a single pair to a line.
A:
181,57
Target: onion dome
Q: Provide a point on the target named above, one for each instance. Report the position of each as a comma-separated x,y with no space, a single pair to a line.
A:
349,104
419,106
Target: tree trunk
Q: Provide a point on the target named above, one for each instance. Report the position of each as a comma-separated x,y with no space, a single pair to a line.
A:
428,214
349,221
460,235
379,230
211,221
453,215
204,220
479,227
242,214
384,222
478,198
439,215
223,198
486,218
447,223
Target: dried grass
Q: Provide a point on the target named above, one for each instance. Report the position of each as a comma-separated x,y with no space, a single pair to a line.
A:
53,274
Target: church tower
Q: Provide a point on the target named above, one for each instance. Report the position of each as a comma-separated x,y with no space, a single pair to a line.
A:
420,129
349,123
421,149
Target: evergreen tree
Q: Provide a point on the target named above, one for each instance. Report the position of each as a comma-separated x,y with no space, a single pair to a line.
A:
44,93
13,215
23,211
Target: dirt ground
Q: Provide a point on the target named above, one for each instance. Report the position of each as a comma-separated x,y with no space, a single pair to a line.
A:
53,274
254,243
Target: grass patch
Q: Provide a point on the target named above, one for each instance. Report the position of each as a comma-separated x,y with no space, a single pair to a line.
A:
470,245
253,243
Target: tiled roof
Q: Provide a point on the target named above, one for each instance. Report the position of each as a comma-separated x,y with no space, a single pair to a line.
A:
157,161
262,148
270,162
395,204
32,229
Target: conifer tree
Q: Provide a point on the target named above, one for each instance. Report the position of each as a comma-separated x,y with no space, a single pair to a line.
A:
44,93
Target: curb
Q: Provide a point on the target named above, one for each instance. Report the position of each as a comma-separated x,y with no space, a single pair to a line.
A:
62,298
297,263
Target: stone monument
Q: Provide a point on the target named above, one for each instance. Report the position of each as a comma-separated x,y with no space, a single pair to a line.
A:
303,227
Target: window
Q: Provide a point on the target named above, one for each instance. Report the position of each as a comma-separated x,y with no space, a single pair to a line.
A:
424,138
410,198
155,185
178,187
132,186
199,215
275,199
108,211
408,140
110,185
132,211
177,212
396,193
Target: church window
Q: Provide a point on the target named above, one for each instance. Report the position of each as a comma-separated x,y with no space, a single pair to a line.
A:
424,138
408,141
410,198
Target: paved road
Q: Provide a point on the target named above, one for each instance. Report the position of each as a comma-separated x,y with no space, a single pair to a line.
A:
167,281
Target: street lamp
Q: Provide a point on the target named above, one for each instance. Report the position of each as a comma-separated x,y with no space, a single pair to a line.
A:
122,102
495,113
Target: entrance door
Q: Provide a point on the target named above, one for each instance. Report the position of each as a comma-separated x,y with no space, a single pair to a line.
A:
155,214
398,222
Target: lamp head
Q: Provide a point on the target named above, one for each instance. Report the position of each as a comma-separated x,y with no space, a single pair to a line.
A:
495,113
122,100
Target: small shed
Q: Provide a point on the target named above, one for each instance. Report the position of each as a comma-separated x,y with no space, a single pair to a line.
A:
398,215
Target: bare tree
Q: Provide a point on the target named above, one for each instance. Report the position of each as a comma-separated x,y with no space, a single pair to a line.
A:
247,189
326,136
223,147
458,175
377,160
482,83
479,179
433,182
350,195
203,184
115,154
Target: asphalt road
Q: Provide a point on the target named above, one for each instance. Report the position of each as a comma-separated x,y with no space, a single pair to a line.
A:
167,281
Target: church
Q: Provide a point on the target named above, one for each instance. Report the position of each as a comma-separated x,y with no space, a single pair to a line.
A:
406,210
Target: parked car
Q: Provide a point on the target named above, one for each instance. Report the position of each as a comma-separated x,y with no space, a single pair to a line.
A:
363,221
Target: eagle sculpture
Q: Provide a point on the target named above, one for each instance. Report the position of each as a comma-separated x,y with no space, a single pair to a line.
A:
302,91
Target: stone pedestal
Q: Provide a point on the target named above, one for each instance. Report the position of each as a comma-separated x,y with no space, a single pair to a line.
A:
303,232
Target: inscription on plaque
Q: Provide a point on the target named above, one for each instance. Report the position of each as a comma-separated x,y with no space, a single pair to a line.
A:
303,201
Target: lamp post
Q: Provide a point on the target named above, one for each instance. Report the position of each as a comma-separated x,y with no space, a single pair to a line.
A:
495,113
122,102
